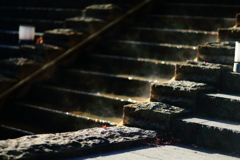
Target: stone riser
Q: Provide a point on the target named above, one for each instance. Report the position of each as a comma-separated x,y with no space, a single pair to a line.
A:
156,35
126,65
167,52
39,13
210,133
184,22
106,83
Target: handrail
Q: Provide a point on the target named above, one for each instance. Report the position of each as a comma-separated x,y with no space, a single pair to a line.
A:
72,50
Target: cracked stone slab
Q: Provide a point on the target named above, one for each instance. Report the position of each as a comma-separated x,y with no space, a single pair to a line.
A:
63,37
217,52
103,11
201,72
85,24
228,34
73,143
179,93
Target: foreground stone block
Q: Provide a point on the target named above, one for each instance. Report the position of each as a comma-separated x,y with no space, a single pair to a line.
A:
179,93
41,52
208,73
85,24
217,52
151,115
63,37
73,143
228,34
18,68
104,11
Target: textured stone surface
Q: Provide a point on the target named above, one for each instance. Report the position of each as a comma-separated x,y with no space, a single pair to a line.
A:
40,52
179,93
105,11
151,115
217,52
201,72
18,67
85,24
154,111
210,133
63,37
219,105
228,34
72,143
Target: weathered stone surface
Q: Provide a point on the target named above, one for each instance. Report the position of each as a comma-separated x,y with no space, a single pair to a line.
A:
40,52
104,11
228,34
63,37
219,105
201,72
211,133
154,111
85,24
18,67
179,93
217,52
230,82
72,143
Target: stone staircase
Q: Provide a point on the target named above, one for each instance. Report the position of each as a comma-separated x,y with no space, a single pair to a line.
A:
116,70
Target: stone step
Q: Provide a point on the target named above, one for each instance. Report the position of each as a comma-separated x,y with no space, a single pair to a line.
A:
38,12
9,51
179,93
48,120
120,84
8,37
40,24
110,64
209,73
183,22
217,52
97,102
230,82
205,10
139,49
209,133
219,105
167,35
